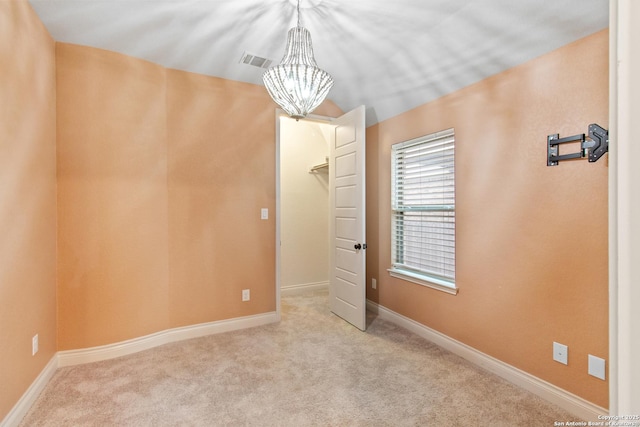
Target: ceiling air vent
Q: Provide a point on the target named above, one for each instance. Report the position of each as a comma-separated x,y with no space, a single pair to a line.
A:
255,60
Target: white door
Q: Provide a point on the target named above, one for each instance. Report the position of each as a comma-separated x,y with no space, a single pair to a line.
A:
347,287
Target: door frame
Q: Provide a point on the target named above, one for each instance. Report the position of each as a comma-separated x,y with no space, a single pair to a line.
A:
624,201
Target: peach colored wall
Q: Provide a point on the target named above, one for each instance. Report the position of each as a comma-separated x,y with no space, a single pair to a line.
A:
531,240
221,172
161,182
27,199
112,197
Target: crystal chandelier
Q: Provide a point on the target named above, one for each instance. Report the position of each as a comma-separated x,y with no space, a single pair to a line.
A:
297,84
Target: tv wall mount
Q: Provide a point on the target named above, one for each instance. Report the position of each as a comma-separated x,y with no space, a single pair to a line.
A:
592,146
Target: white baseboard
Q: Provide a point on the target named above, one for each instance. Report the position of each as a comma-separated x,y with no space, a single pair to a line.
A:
568,401
20,409
123,348
573,404
110,351
303,288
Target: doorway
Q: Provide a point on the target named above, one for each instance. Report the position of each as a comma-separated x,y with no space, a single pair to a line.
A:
302,215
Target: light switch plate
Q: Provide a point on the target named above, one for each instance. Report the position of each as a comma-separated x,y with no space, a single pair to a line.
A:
596,367
560,353
264,213
34,345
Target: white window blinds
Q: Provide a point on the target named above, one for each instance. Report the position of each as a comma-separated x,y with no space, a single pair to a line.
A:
423,204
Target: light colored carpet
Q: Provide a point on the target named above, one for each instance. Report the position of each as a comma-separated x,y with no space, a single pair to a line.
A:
311,369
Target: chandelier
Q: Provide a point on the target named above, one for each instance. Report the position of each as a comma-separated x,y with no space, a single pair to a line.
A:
297,84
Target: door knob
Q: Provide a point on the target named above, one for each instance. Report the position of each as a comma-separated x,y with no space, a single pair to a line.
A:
357,246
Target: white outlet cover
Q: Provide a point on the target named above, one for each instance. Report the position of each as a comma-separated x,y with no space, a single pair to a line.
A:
34,345
246,295
596,367
374,284
264,213
560,353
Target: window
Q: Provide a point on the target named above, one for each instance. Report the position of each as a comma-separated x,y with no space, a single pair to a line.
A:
423,211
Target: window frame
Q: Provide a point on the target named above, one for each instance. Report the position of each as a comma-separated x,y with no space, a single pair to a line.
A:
397,269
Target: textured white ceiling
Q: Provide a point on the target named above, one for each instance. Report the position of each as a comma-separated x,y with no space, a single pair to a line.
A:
390,56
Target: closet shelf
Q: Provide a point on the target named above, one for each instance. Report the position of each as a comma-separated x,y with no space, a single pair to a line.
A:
321,167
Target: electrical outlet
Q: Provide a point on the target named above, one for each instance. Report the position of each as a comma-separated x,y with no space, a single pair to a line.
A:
34,345
560,353
374,284
246,295
264,213
596,367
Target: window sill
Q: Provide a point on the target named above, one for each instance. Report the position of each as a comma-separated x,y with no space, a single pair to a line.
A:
430,282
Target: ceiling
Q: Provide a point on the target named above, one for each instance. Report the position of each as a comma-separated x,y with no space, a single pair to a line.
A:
390,55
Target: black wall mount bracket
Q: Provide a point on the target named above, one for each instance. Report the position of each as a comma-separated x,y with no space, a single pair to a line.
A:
594,146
